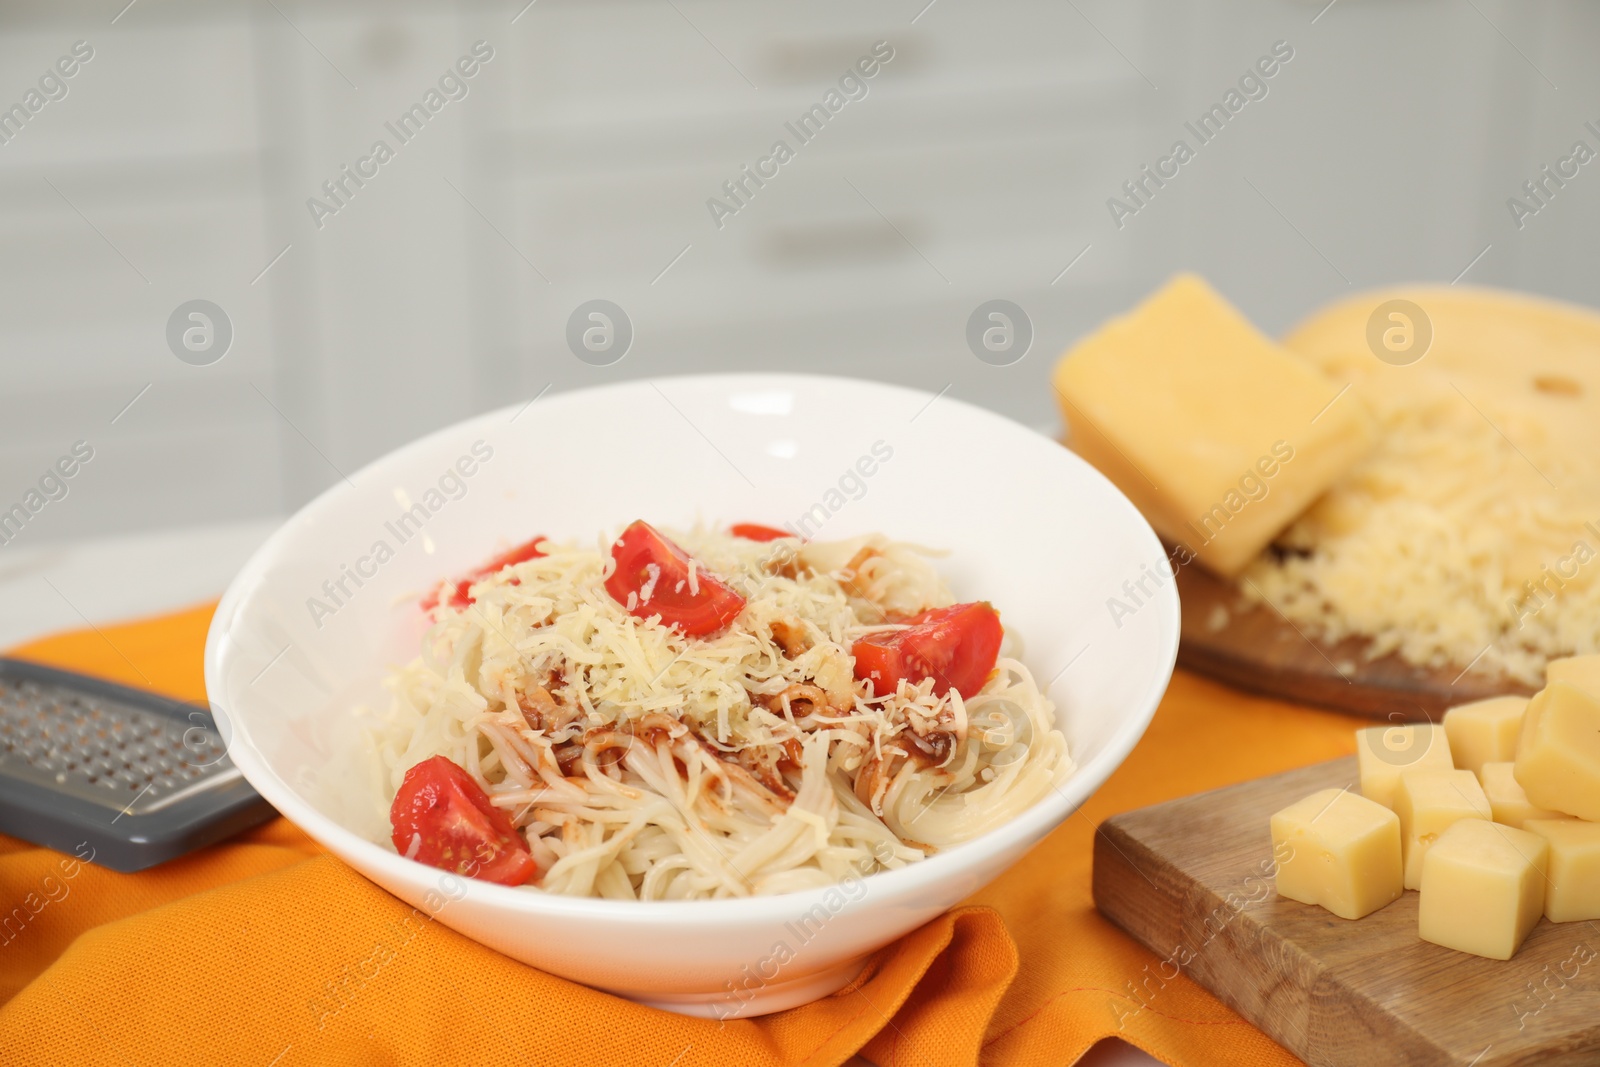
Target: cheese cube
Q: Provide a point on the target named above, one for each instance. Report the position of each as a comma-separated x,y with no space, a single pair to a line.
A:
1509,804
1580,671
1485,731
1342,853
1219,436
1558,754
1482,888
1428,802
1573,891
1387,752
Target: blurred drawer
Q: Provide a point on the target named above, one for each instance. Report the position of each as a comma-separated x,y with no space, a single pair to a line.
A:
575,63
809,219
1087,102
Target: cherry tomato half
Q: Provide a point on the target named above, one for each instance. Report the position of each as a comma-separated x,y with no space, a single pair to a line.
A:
955,646
754,531
443,818
454,593
655,573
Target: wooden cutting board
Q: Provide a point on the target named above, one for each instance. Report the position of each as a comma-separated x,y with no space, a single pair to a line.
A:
1256,649
1191,880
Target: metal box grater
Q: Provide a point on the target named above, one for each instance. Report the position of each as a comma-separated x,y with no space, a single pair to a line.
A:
136,777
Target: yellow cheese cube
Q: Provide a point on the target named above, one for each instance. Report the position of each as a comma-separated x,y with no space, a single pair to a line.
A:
1340,851
1580,671
1482,888
1558,754
1219,436
1386,752
1428,803
1485,731
1573,890
1508,802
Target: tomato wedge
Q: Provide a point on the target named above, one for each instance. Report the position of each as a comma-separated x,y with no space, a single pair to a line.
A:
754,531
652,578
454,594
443,818
955,646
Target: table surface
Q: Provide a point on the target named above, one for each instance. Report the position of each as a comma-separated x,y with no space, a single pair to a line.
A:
72,584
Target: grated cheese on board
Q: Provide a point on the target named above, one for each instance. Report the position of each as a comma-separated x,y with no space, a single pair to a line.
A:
1471,534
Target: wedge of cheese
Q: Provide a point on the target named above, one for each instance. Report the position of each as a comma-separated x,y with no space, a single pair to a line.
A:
1217,435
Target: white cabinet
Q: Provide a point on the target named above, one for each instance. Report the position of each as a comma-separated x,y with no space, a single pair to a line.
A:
578,162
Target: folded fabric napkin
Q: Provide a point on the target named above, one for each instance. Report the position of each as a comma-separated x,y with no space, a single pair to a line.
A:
265,950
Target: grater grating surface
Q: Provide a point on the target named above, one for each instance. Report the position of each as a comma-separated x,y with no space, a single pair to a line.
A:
104,750
135,777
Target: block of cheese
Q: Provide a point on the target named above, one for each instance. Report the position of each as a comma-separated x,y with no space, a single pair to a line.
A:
1507,801
1580,671
1572,892
1482,888
1485,731
1386,752
1340,852
1558,754
1428,802
1219,436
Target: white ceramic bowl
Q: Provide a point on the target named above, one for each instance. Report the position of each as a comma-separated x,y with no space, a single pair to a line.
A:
309,626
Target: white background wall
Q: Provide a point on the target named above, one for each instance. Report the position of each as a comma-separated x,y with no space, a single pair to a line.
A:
978,166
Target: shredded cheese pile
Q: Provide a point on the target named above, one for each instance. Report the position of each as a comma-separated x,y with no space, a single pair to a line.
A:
1471,535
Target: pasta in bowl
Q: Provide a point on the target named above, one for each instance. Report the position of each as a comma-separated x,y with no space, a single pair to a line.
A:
721,797
708,714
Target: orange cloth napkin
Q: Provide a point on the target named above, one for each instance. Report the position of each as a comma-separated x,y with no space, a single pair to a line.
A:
258,950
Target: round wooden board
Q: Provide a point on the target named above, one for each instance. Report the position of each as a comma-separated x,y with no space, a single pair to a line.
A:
1256,649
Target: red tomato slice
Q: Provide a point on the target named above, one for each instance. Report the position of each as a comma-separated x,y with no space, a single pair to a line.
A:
454,593
654,572
955,646
754,531
443,818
